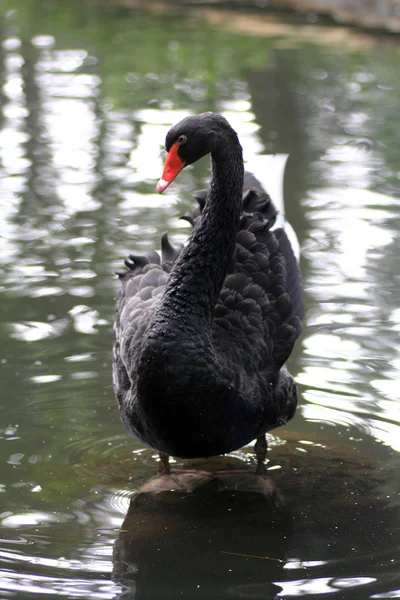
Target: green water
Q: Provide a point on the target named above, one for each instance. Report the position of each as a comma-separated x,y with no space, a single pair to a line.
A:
87,95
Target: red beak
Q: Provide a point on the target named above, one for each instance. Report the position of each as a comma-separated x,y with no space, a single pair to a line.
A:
173,165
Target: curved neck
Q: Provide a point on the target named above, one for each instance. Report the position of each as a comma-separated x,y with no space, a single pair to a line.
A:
197,276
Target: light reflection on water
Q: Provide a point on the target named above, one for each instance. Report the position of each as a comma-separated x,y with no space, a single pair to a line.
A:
360,227
77,194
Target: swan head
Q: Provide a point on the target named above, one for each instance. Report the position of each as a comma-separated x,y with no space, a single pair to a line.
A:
191,139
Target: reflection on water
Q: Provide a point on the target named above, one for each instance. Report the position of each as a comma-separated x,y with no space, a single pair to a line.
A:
228,539
223,529
83,115
346,386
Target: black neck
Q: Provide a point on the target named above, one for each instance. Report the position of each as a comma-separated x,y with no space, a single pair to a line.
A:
198,274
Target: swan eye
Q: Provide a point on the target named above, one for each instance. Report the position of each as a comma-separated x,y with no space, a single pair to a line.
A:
182,139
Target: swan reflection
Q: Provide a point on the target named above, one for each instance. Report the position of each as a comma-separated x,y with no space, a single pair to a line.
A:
305,530
197,530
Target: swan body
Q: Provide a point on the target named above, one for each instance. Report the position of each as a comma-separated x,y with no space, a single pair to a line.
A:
202,333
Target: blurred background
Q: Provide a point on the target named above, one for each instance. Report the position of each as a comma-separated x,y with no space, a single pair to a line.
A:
88,91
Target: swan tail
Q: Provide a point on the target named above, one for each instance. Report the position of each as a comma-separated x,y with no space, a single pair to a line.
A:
137,264
269,169
169,253
255,200
140,263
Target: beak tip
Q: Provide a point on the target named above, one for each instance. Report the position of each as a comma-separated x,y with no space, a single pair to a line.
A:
162,185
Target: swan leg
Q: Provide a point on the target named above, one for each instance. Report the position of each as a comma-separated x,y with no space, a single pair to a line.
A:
260,449
164,466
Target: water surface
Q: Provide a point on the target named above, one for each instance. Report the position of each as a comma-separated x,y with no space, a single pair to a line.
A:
87,95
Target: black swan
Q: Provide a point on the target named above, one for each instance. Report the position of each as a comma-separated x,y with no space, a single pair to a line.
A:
202,333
